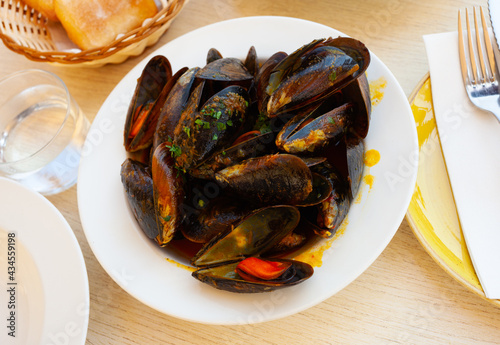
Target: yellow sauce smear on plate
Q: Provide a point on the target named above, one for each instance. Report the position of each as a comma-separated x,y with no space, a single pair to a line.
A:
377,87
372,157
189,268
369,180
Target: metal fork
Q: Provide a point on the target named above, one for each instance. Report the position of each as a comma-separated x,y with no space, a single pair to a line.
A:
481,82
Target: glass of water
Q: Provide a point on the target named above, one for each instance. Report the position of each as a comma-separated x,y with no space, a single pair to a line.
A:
42,131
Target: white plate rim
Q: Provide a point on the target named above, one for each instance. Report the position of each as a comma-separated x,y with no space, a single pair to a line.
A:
118,101
55,250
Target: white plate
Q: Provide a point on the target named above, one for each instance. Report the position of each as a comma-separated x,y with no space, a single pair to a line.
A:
140,267
50,286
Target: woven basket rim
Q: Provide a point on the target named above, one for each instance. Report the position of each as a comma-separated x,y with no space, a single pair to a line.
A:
161,19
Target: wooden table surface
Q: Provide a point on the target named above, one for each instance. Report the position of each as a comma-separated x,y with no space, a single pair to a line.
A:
404,297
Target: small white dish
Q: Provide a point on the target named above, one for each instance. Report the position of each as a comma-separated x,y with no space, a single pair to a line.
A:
141,268
49,288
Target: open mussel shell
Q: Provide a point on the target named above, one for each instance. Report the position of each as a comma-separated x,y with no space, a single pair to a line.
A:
144,109
138,185
168,193
201,133
268,180
287,65
262,80
358,93
255,234
256,146
174,105
315,72
333,210
225,278
313,133
354,48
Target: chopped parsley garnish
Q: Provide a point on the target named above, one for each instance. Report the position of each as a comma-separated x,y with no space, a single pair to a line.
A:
221,126
200,122
175,150
215,137
211,112
167,218
262,124
188,131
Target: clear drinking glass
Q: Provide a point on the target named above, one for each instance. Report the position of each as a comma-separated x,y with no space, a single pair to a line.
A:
42,131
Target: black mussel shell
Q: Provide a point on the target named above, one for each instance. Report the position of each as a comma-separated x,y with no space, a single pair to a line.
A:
262,144
174,105
215,218
138,185
168,193
255,234
201,133
333,210
144,110
268,180
225,278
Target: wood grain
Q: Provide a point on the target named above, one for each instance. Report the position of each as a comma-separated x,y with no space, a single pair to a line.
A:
403,298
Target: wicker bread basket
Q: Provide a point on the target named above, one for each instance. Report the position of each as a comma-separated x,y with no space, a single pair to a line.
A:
27,32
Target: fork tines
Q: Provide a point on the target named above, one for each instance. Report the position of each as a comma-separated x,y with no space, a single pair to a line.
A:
472,74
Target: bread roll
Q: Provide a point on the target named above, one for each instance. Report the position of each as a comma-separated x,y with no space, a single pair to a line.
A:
45,7
96,23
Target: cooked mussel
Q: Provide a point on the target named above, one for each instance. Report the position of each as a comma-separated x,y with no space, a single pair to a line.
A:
229,277
358,93
225,72
256,145
269,180
333,210
174,105
200,133
314,72
231,262
253,235
312,132
138,185
168,193
262,80
149,96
